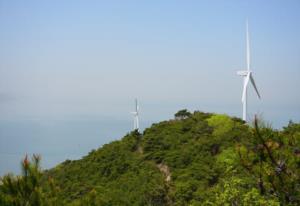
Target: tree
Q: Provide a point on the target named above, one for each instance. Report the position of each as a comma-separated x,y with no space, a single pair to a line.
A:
236,192
221,123
182,114
27,189
272,162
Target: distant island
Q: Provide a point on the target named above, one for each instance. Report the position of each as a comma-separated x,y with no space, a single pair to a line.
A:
195,159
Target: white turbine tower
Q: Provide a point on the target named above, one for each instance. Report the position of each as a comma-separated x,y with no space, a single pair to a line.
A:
136,116
247,75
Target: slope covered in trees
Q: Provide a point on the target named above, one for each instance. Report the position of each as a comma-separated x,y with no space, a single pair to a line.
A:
194,159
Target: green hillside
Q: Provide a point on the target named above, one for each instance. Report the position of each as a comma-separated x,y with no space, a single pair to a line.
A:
193,159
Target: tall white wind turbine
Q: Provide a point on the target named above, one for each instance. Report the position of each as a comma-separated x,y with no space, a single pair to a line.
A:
136,116
247,75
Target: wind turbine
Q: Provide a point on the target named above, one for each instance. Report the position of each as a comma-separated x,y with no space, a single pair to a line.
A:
136,116
247,75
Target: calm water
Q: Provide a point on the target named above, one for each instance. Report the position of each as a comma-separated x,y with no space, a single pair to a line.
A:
54,140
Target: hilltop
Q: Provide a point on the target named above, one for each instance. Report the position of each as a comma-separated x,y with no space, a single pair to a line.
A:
194,159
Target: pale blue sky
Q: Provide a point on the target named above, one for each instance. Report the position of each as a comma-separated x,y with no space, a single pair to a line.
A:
85,61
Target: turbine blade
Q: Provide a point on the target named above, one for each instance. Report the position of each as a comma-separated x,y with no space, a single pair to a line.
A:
136,105
253,83
245,87
248,46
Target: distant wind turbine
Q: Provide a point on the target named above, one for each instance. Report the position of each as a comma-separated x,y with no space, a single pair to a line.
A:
247,75
136,116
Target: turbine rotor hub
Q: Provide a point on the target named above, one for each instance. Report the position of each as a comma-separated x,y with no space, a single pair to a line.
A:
243,73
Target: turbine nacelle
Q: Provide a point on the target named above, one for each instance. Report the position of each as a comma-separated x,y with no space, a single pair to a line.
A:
243,73
135,113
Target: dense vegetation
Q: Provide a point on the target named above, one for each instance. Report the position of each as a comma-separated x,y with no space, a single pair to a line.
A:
194,159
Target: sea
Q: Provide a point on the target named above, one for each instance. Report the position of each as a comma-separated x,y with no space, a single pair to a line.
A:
54,140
